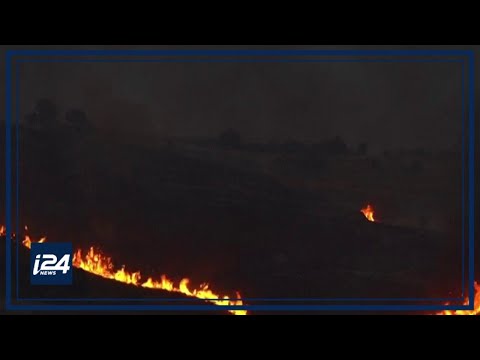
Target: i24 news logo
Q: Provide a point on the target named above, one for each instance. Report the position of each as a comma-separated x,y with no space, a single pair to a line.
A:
51,264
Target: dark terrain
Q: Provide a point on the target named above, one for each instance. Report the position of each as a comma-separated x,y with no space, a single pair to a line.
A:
272,221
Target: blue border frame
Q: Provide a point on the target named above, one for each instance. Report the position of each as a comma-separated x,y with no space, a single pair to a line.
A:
365,58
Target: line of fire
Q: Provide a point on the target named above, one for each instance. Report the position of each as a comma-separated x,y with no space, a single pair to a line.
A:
229,184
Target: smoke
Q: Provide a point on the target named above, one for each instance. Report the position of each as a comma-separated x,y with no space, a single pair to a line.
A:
397,105
97,91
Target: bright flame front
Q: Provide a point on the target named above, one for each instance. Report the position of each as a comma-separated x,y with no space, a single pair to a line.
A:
97,263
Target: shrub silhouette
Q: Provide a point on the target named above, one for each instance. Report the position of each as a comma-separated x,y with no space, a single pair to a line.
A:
44,114
362,149
78,120
230,139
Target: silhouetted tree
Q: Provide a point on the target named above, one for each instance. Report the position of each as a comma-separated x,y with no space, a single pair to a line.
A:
230,139
423,221
46,110
362,149
78,120
419,151
292,146
44,114
416,167
336,146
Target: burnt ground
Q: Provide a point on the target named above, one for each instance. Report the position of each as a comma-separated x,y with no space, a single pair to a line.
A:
251,219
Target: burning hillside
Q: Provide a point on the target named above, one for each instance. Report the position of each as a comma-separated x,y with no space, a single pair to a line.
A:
95,262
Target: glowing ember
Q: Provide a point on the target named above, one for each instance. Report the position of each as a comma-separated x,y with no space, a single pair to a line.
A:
368,212
96,263
475,311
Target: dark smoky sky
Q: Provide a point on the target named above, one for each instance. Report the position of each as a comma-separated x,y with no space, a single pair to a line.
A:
383,104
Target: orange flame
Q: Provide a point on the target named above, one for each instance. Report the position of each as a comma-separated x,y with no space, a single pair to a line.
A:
27,242
96,263
476,301
368,212
101,265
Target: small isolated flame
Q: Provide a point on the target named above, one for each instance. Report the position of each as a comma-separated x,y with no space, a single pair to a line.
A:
368,212
96,263
476,301
27,242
